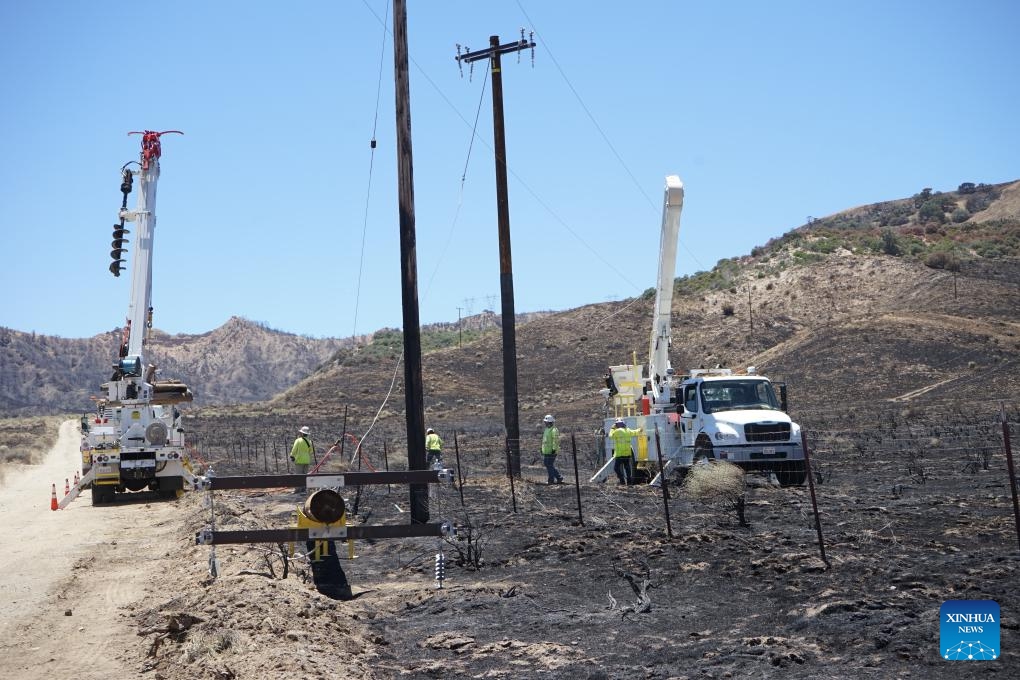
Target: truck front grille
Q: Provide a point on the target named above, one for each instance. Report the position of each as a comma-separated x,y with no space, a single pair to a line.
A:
767,432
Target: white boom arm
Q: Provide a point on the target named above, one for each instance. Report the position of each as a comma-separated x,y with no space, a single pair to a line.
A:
144,217
658,349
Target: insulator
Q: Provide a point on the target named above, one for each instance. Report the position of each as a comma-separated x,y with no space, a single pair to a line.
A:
440,567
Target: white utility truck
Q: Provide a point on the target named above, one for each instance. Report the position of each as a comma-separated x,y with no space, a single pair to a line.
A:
134,440
708,414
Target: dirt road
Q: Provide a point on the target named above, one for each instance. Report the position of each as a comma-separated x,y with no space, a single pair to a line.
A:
70,576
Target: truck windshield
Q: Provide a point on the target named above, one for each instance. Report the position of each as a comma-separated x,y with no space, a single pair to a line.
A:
737,395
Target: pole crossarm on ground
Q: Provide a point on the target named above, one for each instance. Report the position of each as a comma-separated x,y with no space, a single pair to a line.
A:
213,483
293,535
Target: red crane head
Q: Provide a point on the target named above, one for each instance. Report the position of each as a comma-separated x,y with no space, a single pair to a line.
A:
150,144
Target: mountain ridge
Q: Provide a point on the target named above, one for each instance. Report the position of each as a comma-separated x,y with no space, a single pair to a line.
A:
810,288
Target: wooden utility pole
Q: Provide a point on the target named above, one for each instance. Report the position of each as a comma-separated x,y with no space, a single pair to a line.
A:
413,391
506,276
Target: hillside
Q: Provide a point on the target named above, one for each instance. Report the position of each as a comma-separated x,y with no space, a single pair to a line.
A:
918,293
241,361
852,314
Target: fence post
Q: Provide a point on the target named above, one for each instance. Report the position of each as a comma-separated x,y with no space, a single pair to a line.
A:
385,458
460,477
577,478
1012,471
664,483
814,504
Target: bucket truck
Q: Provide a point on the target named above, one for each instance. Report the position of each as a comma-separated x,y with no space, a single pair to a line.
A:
707,414
134,440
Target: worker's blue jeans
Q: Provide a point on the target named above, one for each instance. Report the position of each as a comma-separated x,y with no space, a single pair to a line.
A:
624,472
550,468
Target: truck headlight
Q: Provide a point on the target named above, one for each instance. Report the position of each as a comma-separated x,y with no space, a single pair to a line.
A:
726,436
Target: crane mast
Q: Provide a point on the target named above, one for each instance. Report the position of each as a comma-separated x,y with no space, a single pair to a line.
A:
658,347
144,216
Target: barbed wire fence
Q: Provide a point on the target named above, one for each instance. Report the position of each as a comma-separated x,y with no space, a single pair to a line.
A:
884,475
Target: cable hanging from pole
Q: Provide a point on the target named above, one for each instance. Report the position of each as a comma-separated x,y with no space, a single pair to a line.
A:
460,196
371,165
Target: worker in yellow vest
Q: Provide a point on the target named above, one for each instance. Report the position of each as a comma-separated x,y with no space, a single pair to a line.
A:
301,454
623,454
433,448
550,447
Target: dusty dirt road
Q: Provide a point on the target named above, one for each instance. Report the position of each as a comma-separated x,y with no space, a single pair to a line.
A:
69,576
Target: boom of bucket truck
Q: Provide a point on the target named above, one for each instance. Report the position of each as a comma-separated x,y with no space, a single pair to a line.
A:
134,440
707,414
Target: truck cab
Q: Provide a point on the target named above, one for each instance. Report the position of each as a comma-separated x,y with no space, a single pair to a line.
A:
740,419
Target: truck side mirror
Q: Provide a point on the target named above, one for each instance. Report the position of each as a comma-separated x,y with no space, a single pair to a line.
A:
782,397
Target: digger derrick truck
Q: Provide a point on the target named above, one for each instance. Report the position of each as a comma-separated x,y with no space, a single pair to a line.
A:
134,440
707,414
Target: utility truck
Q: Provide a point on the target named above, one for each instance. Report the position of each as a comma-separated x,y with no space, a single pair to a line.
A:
134,441
704,415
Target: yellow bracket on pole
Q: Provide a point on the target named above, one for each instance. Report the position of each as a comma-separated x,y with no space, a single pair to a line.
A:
321,546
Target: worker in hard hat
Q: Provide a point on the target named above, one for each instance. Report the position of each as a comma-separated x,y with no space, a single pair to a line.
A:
623,453
550,447
433,448
301,454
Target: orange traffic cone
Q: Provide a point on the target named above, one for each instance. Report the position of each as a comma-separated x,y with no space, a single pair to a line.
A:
53,498
67,487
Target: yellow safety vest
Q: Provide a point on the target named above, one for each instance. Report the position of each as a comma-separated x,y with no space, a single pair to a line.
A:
621,437
301,452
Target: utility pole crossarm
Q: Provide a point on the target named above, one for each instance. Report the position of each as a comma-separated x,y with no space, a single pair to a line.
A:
487,53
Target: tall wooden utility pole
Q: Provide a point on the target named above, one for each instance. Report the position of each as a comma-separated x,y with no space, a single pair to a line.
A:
506,274
409,269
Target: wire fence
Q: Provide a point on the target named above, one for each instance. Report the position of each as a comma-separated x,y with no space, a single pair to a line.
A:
936,478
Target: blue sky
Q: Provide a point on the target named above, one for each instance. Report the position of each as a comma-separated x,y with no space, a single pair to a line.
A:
770,112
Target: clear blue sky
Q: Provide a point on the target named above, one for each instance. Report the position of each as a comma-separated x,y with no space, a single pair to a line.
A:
769,111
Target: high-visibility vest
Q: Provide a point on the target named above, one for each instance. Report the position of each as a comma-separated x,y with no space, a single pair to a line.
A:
550,441
433,442
301,452
621,437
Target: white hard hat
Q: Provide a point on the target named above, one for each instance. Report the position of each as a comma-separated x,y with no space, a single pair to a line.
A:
548,419
430,431
305,430
620,422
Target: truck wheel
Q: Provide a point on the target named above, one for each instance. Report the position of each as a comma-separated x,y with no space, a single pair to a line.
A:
791,474
703,451
102,494
170,488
